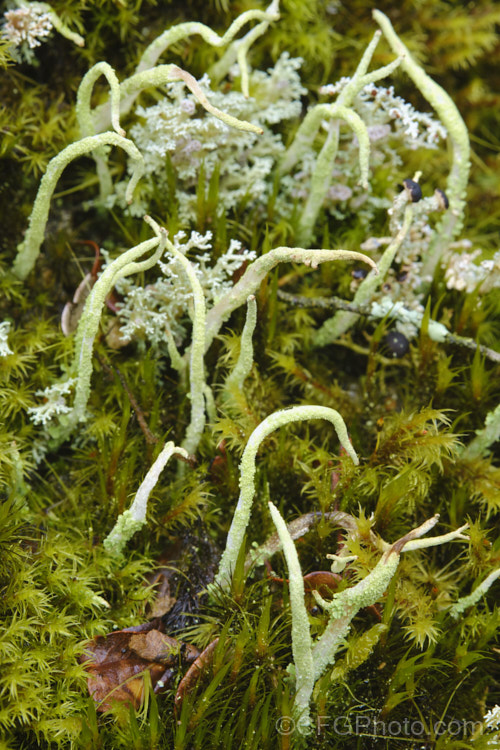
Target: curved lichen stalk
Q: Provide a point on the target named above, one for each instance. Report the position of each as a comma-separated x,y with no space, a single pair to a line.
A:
301,634
342,321
133,519
456,186
88,326
185,30
168,74
80,371
158,76
176,34
29,249
84,95
238,50
247,475
197,384
258,270
403,213
346,604
241,370
468,601
86,121
485,437
339,110
59,25
207,325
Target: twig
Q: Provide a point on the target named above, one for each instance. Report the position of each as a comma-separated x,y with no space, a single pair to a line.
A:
325,303
336,303
150,437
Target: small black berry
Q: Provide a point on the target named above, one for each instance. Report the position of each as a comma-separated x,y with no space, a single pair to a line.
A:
397,343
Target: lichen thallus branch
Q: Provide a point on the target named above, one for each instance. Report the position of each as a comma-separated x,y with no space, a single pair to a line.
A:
238,50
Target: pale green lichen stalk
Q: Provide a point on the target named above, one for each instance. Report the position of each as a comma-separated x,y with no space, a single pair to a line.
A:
342,321
311,660
345,605
59,25
176,33
185,30
245,359
125,265
158,76
468,601
258,270
29,249
86,121
239,48
247,475
133,519
403,215
163,74
197,384
84,95
486,437
458,177
339,110
301,637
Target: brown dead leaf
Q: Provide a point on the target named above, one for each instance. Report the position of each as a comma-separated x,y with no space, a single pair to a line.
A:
116,664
